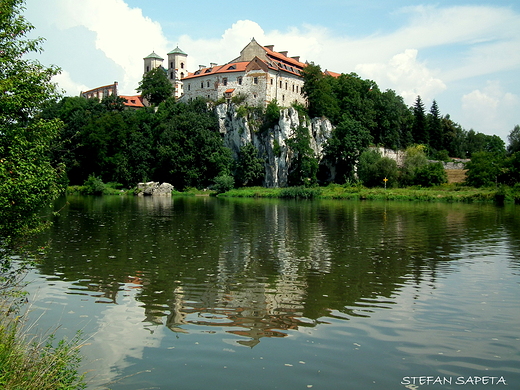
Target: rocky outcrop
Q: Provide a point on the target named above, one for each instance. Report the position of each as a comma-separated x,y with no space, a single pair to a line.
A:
239,128
154,188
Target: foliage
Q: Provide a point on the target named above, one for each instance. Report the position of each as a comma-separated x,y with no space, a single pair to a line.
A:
29,363
300,192
419,128
434,128
93,186
483,169
514,140
190,150
249,168
29,178
304,165
317,89
344,147
373,169
431,174
223,183
155,86
414,159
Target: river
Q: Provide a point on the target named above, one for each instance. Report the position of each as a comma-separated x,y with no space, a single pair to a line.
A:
199,292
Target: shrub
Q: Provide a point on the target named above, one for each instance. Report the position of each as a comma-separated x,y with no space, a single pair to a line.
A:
93,186
223,183
431,174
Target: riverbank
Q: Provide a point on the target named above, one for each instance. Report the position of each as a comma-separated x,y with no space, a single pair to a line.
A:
445,193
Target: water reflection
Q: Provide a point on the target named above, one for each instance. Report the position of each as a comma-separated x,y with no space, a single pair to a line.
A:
259,269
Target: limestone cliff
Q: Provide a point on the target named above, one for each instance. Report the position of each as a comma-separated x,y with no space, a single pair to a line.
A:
239,129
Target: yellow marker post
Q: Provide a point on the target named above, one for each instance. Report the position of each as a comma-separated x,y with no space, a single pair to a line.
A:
385,180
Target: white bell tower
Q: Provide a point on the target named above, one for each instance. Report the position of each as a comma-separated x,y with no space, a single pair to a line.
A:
177,70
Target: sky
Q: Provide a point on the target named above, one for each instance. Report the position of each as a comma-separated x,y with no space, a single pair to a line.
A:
463,54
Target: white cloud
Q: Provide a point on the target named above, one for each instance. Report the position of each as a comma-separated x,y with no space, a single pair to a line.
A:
121,33
407,76
65,81
491,110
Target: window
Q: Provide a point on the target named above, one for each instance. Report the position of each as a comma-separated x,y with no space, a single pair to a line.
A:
255,80
224,81
281,83
189,87
286,86
171,64
207,84
147,68
182,75
239,80
202,84
182,65
232,67
272,81
171,75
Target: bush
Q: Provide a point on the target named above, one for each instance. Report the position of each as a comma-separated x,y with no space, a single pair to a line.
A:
93,186
431,174
223,183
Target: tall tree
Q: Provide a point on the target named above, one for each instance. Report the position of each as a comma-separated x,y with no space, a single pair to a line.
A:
155,86
318,92
344,147
435,127
419,127
28,178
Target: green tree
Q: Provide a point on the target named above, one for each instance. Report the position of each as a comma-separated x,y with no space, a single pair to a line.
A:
318,92
304,165
373,169
249,168
155,86
191,151
514,140
431,174
414,160
419,127
28,178
484,169
348,140
434,126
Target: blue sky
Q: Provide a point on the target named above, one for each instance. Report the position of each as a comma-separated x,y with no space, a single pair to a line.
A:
464,54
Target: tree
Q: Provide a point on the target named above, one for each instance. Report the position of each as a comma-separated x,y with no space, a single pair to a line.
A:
249,168
318,92
435,127
419,127
29,180
373,169
304,165
155,86
349,139
414,159
514,140
484,169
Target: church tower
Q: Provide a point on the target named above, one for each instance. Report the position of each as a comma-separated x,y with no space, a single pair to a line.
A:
152,61
177,69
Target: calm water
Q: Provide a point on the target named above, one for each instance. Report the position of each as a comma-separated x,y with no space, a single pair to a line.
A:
195,293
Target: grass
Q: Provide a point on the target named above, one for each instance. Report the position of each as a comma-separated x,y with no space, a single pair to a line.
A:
30,362
443,193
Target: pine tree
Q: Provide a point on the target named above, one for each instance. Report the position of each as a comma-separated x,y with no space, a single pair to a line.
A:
419,127
435,128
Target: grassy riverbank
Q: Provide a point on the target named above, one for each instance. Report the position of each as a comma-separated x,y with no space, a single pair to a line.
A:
445,193
28,361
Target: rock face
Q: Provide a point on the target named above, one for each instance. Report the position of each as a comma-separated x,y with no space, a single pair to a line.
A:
239,129
154,188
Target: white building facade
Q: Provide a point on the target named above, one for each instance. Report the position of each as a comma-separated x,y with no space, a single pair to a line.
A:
259,75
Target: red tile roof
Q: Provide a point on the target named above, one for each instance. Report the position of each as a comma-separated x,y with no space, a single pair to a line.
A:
133,101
